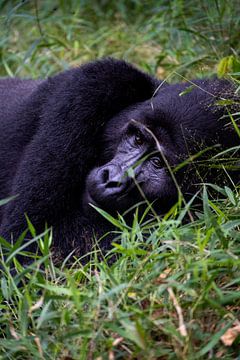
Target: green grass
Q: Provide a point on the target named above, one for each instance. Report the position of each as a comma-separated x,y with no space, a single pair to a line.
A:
40,38
130,309
174,288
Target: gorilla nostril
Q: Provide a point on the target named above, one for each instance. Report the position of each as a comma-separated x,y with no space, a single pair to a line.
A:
111,177
105,175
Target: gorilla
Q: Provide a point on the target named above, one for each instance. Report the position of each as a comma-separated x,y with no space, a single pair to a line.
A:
105,134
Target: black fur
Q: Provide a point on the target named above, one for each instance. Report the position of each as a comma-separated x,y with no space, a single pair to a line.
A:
56,133
50,133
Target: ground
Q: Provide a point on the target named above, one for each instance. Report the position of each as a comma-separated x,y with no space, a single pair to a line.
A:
173,291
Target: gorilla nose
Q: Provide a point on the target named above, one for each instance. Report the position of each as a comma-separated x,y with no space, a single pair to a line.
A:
113,177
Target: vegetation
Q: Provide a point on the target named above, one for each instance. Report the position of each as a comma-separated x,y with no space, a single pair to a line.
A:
173,289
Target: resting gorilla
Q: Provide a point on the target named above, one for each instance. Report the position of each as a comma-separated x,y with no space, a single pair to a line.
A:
70,140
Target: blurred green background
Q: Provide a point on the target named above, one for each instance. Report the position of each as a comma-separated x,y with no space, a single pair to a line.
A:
40,38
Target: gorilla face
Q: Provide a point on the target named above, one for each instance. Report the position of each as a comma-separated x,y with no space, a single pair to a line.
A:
137,170
140,156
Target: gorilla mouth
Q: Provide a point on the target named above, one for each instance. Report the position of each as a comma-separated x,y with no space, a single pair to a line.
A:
118,200
129,189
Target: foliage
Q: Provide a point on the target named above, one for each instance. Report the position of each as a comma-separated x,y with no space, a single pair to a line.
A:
163,37
171,292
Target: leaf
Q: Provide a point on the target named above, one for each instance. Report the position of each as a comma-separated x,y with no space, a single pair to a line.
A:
187,90
234,124
135,332
59,290
230,195
108,217
227,65
30,226
215,339
231,334
225,102
36,306
5,201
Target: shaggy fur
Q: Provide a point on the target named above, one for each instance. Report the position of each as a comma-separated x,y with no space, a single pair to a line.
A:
65,141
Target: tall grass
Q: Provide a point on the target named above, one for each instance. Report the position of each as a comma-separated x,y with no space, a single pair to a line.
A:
172,292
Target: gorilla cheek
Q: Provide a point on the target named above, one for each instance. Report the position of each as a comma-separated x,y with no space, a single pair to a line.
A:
152,184
157,184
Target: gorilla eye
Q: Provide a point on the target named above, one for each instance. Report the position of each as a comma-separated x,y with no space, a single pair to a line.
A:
139,139
157,163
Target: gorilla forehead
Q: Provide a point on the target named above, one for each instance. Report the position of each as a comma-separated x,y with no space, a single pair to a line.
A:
165,115
183,117
180,109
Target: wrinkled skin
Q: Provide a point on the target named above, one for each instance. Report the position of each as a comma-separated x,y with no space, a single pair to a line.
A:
136,172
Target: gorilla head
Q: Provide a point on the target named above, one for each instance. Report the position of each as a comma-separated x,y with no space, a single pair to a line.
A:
144,144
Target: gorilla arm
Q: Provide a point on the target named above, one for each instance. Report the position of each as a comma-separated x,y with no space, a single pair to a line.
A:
78,103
